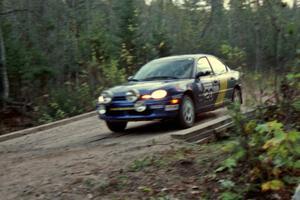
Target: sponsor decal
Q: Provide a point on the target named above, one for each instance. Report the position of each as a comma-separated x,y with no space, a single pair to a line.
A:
171,107
209,89
156,106
222,92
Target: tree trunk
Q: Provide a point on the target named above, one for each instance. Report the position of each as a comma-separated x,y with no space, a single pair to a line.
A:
4,84
257,27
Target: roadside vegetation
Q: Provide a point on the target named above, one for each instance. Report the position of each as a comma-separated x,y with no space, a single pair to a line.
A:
265,155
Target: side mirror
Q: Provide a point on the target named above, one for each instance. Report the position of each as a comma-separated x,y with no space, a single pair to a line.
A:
203,73
130,78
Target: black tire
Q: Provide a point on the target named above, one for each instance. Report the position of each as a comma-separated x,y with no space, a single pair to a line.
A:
186,115
237,96
116,127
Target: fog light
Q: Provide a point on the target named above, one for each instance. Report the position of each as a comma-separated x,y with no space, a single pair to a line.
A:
102,110
140,106
132,95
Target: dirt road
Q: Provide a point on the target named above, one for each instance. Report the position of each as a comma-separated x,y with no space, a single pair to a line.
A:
45,164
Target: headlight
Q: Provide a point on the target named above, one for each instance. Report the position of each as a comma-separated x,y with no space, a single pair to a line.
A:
105,98
101,99
132,95
159,94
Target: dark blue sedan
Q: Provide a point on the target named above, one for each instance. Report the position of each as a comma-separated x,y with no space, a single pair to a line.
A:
176,87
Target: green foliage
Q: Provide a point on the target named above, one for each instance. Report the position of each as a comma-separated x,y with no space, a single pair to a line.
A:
271,155
113,75
128,27
296,105
231,196
140,164
267,149
145,189
66,102
227,184
234,56
229,163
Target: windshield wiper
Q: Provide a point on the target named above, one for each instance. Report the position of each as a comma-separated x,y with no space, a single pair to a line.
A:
159,77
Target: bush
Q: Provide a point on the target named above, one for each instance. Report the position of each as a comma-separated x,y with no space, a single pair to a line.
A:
66,102
113,75
265,157
71,100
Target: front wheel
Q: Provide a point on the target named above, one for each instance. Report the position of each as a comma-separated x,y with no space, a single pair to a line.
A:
186,117
116,126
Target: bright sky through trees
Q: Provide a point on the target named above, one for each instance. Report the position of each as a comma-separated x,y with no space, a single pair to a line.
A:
290,2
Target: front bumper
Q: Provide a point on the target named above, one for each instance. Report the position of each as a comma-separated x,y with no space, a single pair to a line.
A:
125,111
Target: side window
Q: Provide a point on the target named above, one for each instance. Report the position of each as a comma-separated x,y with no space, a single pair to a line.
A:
203,65
217,65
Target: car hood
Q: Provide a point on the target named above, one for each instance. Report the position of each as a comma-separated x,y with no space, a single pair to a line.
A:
145,87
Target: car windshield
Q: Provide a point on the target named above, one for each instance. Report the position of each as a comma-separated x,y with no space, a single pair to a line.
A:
166,69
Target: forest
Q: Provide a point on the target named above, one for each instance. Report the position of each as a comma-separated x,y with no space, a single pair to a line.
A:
57,56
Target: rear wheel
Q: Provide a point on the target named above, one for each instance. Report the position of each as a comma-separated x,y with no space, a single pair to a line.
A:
186,117
116,126
237,96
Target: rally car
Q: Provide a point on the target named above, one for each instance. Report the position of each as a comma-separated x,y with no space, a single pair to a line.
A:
175,87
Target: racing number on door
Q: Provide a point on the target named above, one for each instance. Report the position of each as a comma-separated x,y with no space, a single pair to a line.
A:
209,89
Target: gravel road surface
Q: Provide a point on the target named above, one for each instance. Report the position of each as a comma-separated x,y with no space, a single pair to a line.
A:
42,165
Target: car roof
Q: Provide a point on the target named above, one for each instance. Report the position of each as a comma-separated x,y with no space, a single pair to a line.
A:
186,56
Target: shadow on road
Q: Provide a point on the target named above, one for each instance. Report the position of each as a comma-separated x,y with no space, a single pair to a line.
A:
142,129
160,127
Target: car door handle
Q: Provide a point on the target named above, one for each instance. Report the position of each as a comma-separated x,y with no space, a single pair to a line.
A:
216,82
